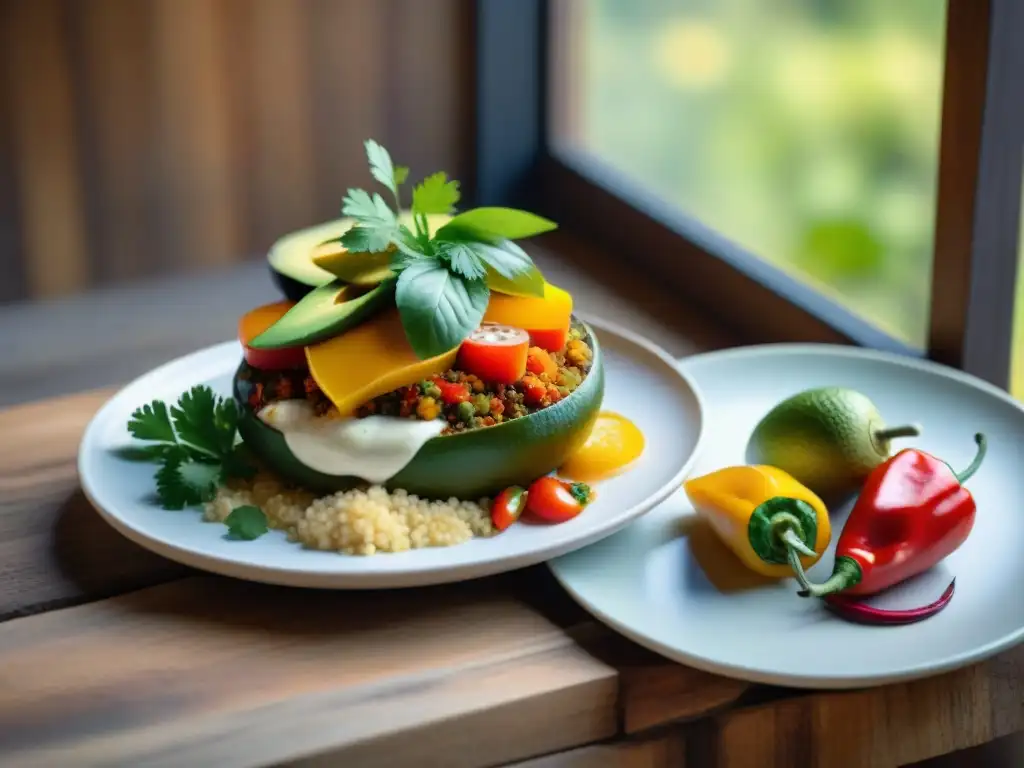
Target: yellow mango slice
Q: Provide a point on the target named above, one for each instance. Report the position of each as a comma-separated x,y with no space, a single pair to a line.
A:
532,313
371,359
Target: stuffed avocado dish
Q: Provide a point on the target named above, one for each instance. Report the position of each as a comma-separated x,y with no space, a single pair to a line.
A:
419,384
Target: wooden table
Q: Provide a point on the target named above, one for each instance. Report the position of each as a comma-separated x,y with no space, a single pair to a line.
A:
110,655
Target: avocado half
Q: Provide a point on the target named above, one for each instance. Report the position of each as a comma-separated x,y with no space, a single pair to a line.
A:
291,257
466,465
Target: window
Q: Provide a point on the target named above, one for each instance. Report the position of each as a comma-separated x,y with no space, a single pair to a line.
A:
805,131
806,170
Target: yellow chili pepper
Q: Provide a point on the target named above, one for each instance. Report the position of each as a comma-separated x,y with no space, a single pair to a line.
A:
765,516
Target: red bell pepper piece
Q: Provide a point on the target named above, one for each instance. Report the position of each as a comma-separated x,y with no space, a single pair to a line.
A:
912,513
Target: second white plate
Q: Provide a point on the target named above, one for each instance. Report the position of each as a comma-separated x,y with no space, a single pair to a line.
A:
670,586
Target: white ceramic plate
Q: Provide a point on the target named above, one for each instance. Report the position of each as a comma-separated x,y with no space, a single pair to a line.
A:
642,382
685,597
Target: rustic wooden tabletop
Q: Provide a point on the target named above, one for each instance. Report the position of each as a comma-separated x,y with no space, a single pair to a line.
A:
110,655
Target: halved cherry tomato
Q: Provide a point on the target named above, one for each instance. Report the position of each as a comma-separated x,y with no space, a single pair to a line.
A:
556,500
508,506
495,353
551,339
255,322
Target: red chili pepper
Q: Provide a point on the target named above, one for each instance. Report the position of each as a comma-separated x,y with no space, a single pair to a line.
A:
912,513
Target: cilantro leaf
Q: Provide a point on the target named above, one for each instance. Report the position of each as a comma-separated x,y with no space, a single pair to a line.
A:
509,269
152,422
435,194
499,223
156,452
381,167
462,259
367,208
401,174
409,246
184,482
247,522
367,239
438,308
200,420
377,223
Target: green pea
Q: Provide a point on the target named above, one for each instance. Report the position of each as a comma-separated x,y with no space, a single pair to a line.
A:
465,411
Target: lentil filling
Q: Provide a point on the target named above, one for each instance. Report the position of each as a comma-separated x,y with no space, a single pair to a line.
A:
463,400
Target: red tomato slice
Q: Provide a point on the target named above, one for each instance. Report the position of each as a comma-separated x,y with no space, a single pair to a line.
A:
255,322
507,507
495,353
555,500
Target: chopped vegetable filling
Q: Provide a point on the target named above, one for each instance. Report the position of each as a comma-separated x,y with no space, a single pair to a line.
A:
465,400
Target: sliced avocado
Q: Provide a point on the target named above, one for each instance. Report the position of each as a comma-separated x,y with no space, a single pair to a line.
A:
354,268
324,312
298,260
291,257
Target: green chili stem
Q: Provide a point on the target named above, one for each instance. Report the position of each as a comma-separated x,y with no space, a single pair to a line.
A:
845,574
904,430
794,548
964,476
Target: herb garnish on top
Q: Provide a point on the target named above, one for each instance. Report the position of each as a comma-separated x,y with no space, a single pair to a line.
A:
444,279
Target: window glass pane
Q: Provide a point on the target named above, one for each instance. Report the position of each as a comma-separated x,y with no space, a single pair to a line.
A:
806,131
1017,356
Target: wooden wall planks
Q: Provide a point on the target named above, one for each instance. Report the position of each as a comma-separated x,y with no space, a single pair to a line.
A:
168,136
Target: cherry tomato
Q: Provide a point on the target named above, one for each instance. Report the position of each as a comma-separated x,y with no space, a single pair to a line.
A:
507,507
255,322
556,500
495,353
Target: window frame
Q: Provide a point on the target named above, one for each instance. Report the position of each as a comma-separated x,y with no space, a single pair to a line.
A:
978,206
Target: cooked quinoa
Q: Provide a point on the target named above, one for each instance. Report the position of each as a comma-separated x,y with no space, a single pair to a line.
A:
356,522
463,400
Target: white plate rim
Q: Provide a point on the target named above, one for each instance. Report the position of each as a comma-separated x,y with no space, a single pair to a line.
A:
411,577
837,682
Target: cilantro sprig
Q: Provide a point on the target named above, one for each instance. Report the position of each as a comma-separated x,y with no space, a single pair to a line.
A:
444,278
195,444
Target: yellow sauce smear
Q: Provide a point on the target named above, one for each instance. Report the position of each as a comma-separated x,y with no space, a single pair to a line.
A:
615,443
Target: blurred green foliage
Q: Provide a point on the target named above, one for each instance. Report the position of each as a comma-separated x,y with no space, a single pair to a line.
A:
805,130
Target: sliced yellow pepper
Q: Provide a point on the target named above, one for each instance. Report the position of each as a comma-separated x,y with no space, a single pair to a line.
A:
765,516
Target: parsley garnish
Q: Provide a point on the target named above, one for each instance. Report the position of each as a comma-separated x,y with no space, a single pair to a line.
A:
445,277
194,442
246,522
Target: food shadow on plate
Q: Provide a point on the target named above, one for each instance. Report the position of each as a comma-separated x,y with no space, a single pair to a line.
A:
712,562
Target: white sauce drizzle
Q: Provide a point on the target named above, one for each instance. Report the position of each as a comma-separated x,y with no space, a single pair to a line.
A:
375,448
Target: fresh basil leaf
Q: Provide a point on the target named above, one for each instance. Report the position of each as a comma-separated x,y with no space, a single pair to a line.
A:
510,269
439,308
462,259
495,222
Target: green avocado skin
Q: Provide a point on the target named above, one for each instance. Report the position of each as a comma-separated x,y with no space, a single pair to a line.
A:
466,465
822,437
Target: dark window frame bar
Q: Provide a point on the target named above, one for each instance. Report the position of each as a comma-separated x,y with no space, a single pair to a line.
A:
978,207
